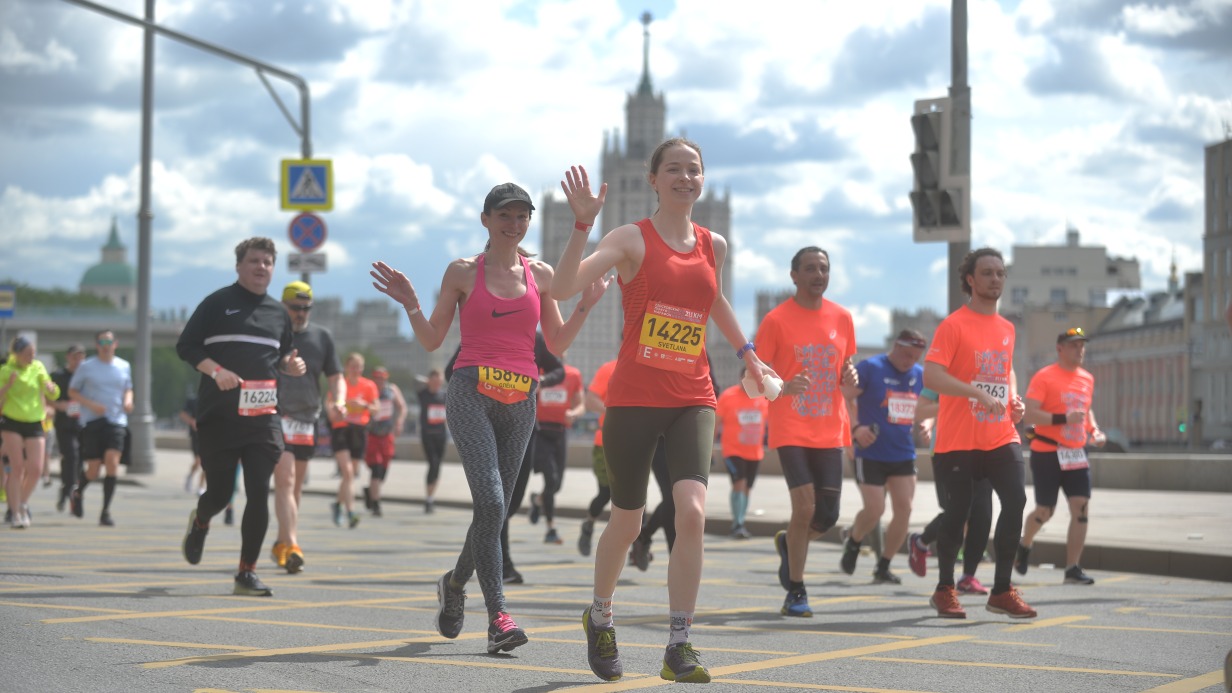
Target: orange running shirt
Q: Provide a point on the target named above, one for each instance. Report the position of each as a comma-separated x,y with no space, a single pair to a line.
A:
598,385
555,401
792,339
662,360
976,349
364,389
1059,392
743,420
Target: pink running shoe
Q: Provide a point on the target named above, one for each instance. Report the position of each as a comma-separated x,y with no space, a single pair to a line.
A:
968,584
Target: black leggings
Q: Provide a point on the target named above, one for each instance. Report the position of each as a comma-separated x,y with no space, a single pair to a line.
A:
1005,472
258,460
979,521
551,450
434,450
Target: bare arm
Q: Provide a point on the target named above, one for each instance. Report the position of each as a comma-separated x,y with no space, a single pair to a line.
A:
557,333
938,379
594,403
725,318
400,406
429,332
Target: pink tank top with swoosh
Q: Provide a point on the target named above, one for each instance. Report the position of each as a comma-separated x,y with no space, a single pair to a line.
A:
500,332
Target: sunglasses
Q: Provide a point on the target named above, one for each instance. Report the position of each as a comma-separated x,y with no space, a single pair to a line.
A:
300,309
106,342
1075,332
917,343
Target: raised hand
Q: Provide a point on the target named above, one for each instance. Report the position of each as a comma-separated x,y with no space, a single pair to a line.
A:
582,200
394,284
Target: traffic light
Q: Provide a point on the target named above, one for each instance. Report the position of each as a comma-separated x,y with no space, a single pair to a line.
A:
940,200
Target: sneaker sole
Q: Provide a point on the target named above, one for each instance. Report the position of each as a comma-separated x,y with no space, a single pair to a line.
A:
249,592
294,564
999,610
787,612
698,675
517,639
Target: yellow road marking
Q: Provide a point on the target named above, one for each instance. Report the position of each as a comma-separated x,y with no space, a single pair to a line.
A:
810,686
247,608
1196,683
1153,630
1000,665
64,607
161,643
1045,623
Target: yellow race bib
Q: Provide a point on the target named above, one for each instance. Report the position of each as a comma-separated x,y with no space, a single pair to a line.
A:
503,386
672,338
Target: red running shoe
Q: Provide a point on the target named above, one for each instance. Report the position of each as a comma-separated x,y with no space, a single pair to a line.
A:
945,601
917,557
1011,604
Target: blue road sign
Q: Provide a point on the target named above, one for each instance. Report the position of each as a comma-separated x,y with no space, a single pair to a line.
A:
308,184
307,231
8,300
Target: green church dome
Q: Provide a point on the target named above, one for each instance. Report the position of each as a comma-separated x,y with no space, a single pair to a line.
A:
109,274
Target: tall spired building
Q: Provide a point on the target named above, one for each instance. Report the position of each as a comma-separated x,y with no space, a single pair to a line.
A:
629,198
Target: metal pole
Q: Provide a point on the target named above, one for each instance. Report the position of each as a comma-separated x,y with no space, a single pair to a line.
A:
142,424
960,158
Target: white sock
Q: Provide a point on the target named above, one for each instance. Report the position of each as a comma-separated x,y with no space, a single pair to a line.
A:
601,611
681,621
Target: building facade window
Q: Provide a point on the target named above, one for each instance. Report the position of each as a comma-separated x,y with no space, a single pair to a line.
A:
1098,297
1058,296
1018,295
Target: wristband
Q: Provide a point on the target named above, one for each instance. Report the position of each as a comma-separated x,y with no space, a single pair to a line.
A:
412,312
217,370
1058,419
745,349
581,227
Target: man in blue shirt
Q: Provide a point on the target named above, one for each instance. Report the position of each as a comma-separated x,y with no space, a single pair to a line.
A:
881,424
103,386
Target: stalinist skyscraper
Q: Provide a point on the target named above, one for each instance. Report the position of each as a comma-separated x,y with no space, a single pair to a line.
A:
629,198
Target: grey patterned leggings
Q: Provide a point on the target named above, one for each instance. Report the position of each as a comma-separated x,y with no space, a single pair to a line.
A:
491,438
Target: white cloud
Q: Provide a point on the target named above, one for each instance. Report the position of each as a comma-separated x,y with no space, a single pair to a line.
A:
1160,21
15,56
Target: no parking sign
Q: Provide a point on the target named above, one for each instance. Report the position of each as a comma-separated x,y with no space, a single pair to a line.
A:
307,232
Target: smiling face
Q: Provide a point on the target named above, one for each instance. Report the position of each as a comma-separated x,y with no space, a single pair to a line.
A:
678,174
812,277
508,224
255,270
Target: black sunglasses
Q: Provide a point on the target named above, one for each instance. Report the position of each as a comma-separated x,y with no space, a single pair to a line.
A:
300,309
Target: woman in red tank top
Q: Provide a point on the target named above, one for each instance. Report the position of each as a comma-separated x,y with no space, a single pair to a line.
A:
490,406
669,271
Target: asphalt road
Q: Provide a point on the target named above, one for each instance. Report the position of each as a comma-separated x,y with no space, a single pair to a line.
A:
87,608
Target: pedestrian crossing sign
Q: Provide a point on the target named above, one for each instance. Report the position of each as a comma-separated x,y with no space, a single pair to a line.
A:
308,184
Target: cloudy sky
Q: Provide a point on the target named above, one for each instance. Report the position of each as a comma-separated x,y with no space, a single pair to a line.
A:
1086,112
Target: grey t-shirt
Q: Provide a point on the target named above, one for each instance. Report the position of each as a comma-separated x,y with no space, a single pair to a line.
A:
106,384
300,398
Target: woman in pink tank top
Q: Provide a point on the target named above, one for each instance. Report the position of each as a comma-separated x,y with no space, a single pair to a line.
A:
501,295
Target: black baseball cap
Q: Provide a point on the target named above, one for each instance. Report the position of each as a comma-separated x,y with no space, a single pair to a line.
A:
1073,334
503,194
